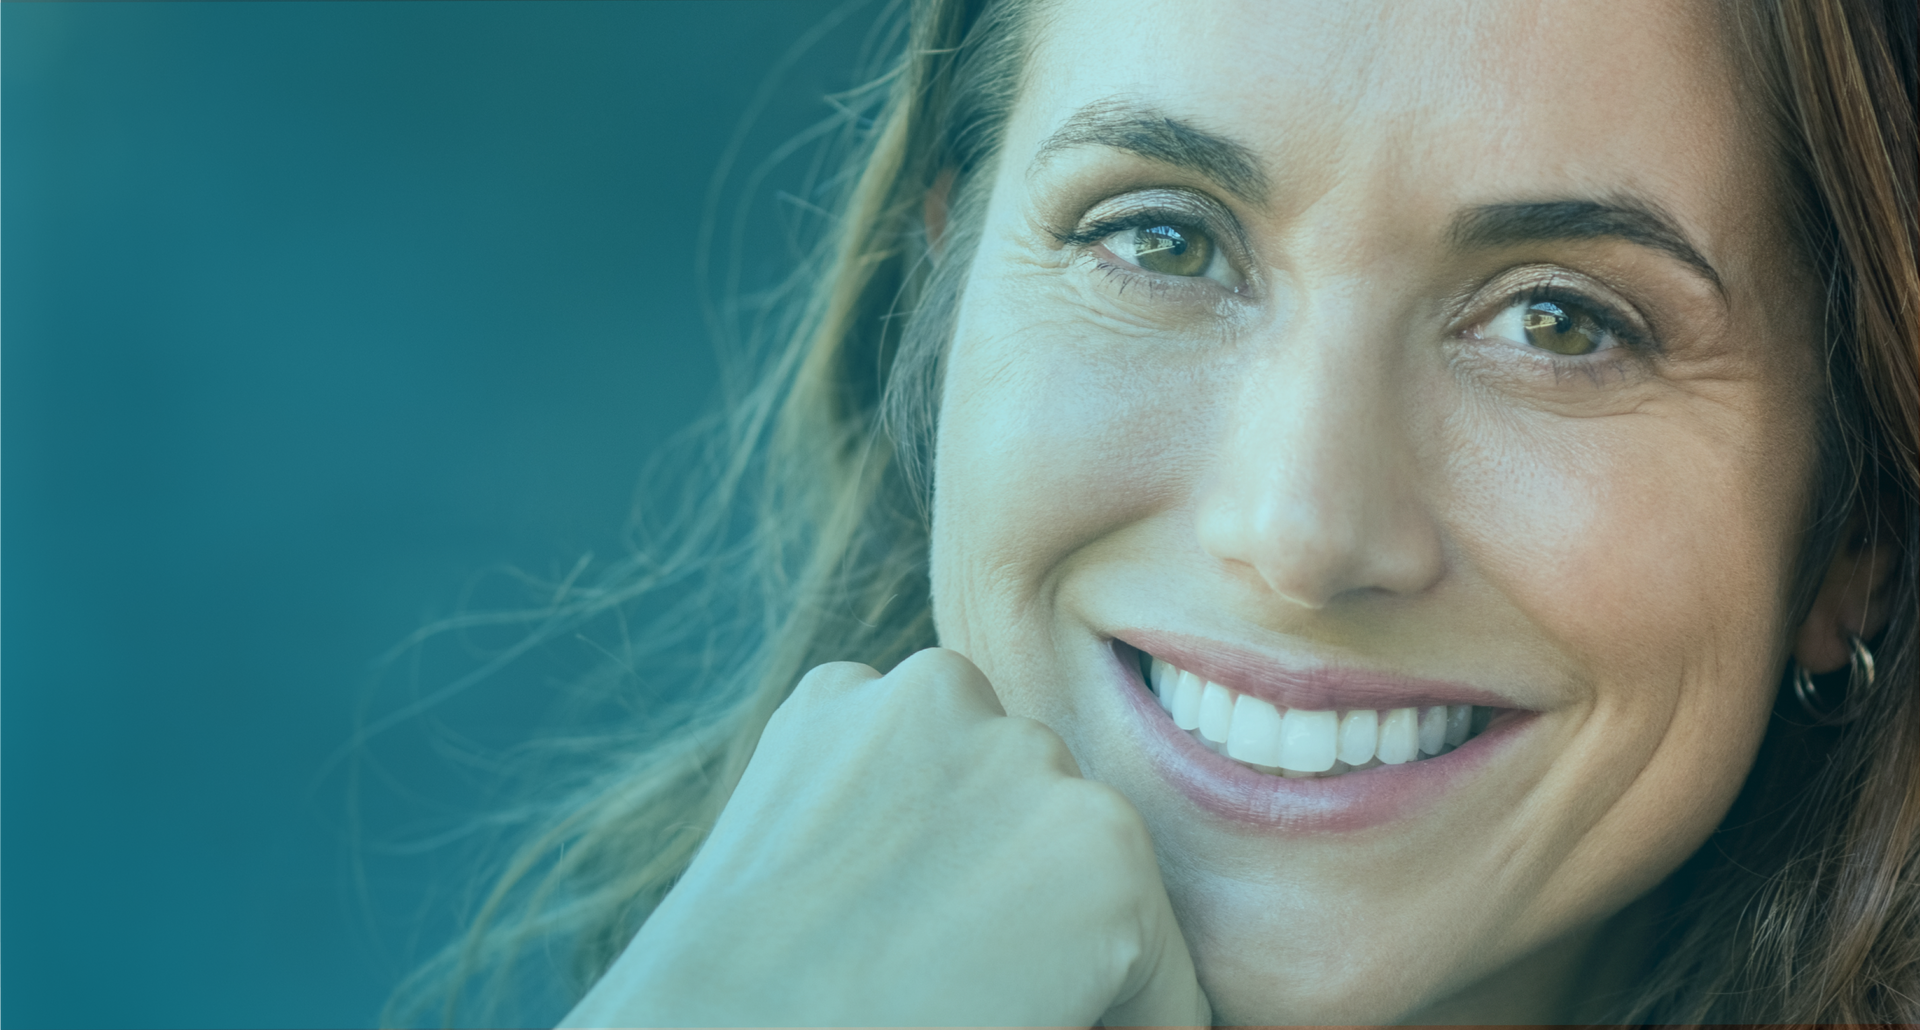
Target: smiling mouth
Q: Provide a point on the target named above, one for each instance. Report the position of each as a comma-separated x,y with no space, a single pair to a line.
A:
1299,743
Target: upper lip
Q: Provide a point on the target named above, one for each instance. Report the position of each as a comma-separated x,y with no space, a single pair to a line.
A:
1320,688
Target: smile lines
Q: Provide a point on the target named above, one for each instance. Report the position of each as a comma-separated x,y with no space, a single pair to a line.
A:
1296,742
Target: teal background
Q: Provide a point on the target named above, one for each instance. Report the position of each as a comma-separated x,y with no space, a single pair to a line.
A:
312,314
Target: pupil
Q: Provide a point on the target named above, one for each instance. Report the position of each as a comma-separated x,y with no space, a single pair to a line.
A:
1171,250
1166,239
1545,314
1566,337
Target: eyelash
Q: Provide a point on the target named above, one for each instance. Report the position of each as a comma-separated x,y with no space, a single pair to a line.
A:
1610,319
1100,231
1106,227
1633,340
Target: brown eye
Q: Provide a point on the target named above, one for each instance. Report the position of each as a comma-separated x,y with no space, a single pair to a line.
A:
1551,327
1172,250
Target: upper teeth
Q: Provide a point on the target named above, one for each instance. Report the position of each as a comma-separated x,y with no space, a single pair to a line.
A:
1300,742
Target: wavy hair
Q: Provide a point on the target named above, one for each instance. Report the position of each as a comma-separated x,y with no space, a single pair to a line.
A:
805,537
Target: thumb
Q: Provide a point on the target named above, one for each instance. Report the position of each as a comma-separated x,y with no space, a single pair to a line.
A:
1163,990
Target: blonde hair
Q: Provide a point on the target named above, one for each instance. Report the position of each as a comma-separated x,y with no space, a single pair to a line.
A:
825,459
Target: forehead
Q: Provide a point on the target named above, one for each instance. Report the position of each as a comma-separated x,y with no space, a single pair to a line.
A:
1434,102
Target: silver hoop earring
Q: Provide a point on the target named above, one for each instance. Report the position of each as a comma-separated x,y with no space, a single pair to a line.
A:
1859,677
1806,693
1862,662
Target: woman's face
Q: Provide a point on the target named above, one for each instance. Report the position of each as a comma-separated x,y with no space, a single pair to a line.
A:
1362,358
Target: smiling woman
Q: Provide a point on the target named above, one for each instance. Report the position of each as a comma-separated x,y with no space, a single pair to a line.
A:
1373,513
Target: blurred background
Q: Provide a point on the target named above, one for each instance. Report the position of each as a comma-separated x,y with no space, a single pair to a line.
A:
318,319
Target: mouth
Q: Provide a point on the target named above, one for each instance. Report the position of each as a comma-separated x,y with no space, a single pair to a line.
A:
1301,743
1265,744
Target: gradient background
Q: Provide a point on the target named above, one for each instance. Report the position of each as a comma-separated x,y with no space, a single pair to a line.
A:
313,313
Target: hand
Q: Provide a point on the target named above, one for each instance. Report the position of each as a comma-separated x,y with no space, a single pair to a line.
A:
902,852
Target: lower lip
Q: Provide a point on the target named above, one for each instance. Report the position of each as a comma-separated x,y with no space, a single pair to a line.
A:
1335,804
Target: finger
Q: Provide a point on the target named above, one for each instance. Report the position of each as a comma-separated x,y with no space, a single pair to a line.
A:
951,677
820,690
834,677
1168,989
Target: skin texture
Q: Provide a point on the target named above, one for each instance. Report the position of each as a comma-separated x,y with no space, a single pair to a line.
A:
932,873
1332,467
1326,453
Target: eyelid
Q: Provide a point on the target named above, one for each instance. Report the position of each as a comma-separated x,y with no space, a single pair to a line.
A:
1551,282
1161,206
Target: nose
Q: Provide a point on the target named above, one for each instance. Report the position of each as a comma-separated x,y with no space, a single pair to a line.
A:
1317,481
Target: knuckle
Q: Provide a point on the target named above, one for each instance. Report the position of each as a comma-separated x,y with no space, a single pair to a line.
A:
940,660
823,686
942,679
835,677
939,666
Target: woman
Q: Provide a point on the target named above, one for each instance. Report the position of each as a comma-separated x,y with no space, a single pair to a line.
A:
1415,504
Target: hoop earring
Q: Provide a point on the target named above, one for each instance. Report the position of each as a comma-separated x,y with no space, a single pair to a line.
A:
1860,674
1806,693
1862,661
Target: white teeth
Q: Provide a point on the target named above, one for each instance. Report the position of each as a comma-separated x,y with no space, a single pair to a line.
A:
1399,737
1162,677
1359,732
1186,701
1216,712
1298,743
1433,729
1255,737
1307,740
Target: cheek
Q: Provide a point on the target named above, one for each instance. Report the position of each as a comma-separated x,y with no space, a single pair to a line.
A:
1049,442
1649,550
1642,547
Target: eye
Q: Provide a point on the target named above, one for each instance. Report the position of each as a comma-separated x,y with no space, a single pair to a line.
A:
1166,249
1183,251
1558,326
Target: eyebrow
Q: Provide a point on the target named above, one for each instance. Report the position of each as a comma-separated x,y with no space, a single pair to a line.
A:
1124,124
1621,218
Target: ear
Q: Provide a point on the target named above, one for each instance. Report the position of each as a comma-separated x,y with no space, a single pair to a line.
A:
934,209
1852,598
